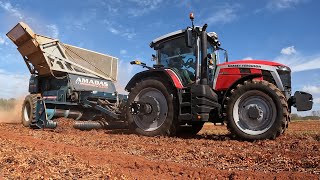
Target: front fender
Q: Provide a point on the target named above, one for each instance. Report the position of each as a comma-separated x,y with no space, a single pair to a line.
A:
239,81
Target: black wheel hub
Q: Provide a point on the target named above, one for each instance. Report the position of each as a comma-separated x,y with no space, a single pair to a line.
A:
148,108
254,112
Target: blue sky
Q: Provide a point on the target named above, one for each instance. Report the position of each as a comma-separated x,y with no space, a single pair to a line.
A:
286,31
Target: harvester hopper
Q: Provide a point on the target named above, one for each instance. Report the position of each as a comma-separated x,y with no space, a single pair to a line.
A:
48,56
66,81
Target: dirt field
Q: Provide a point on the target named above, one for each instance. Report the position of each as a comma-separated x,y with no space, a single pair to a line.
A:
67,153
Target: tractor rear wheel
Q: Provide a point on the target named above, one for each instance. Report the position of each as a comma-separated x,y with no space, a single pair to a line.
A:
29,109
159,120
257,110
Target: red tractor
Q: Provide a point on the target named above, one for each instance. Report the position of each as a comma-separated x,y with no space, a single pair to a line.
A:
187,87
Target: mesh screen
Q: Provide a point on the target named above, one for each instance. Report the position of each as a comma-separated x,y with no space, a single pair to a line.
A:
97,62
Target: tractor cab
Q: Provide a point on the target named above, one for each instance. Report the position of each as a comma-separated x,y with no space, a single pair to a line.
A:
182,52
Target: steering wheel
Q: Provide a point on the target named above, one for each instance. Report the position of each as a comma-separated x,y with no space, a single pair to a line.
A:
189,63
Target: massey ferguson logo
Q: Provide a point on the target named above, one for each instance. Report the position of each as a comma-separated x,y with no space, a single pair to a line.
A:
91,82
244,66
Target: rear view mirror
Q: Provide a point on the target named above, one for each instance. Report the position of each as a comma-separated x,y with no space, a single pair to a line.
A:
226,56
154,57
188,38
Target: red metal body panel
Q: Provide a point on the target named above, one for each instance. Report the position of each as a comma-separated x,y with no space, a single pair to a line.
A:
226,77
260,62
256,71
175,78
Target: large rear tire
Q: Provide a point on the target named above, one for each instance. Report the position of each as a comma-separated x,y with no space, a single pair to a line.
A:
160,121
257,110
29,109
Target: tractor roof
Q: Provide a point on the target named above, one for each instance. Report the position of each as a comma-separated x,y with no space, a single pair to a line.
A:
166,36
178,33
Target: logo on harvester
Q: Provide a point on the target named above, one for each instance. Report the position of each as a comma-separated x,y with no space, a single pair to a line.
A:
91,82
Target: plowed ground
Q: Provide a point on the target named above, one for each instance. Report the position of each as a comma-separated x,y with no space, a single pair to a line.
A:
67,153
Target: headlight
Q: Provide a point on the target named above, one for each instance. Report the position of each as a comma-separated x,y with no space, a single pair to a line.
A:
284,68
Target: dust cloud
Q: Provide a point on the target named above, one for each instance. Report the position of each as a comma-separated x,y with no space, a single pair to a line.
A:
13,115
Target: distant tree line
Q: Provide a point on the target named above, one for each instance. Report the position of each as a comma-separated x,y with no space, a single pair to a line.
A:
315,115
7,104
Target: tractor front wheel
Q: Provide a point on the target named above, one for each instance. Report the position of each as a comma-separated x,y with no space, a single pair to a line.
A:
257,110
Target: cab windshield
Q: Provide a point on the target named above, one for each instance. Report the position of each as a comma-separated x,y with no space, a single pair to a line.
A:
176,55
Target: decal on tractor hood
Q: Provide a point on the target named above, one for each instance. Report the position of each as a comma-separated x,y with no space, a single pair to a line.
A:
244,66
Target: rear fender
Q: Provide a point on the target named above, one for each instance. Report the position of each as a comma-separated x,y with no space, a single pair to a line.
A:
165,74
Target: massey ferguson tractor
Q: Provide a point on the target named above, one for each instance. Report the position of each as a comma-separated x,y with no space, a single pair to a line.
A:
185,88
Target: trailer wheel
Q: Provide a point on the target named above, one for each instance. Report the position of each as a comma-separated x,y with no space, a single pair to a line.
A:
160,118
29,109
257,110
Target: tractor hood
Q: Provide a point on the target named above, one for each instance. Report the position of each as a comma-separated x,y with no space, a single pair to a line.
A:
238,63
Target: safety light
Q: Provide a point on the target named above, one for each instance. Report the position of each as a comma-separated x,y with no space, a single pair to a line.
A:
191,16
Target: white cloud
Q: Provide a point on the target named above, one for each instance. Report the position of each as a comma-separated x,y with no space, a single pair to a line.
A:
288,50
297,61
224,14
125,73
112,10
283,4
113,30
141,7
118,29
50,29
311,89
54,31
2,40
129,34
307,64
12,10
316,100
248,58
123,51
82,20
13,85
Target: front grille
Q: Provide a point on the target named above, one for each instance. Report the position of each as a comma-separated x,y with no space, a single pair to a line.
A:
268,76
285,77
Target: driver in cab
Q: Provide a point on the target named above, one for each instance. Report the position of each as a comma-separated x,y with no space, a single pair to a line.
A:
183,65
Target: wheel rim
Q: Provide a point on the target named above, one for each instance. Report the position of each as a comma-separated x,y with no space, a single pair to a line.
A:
26,112
142,121
256,114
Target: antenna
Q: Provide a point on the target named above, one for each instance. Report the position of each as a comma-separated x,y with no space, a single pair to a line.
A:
191,16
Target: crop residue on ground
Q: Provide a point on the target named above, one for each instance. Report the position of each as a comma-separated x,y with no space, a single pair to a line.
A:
66,153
